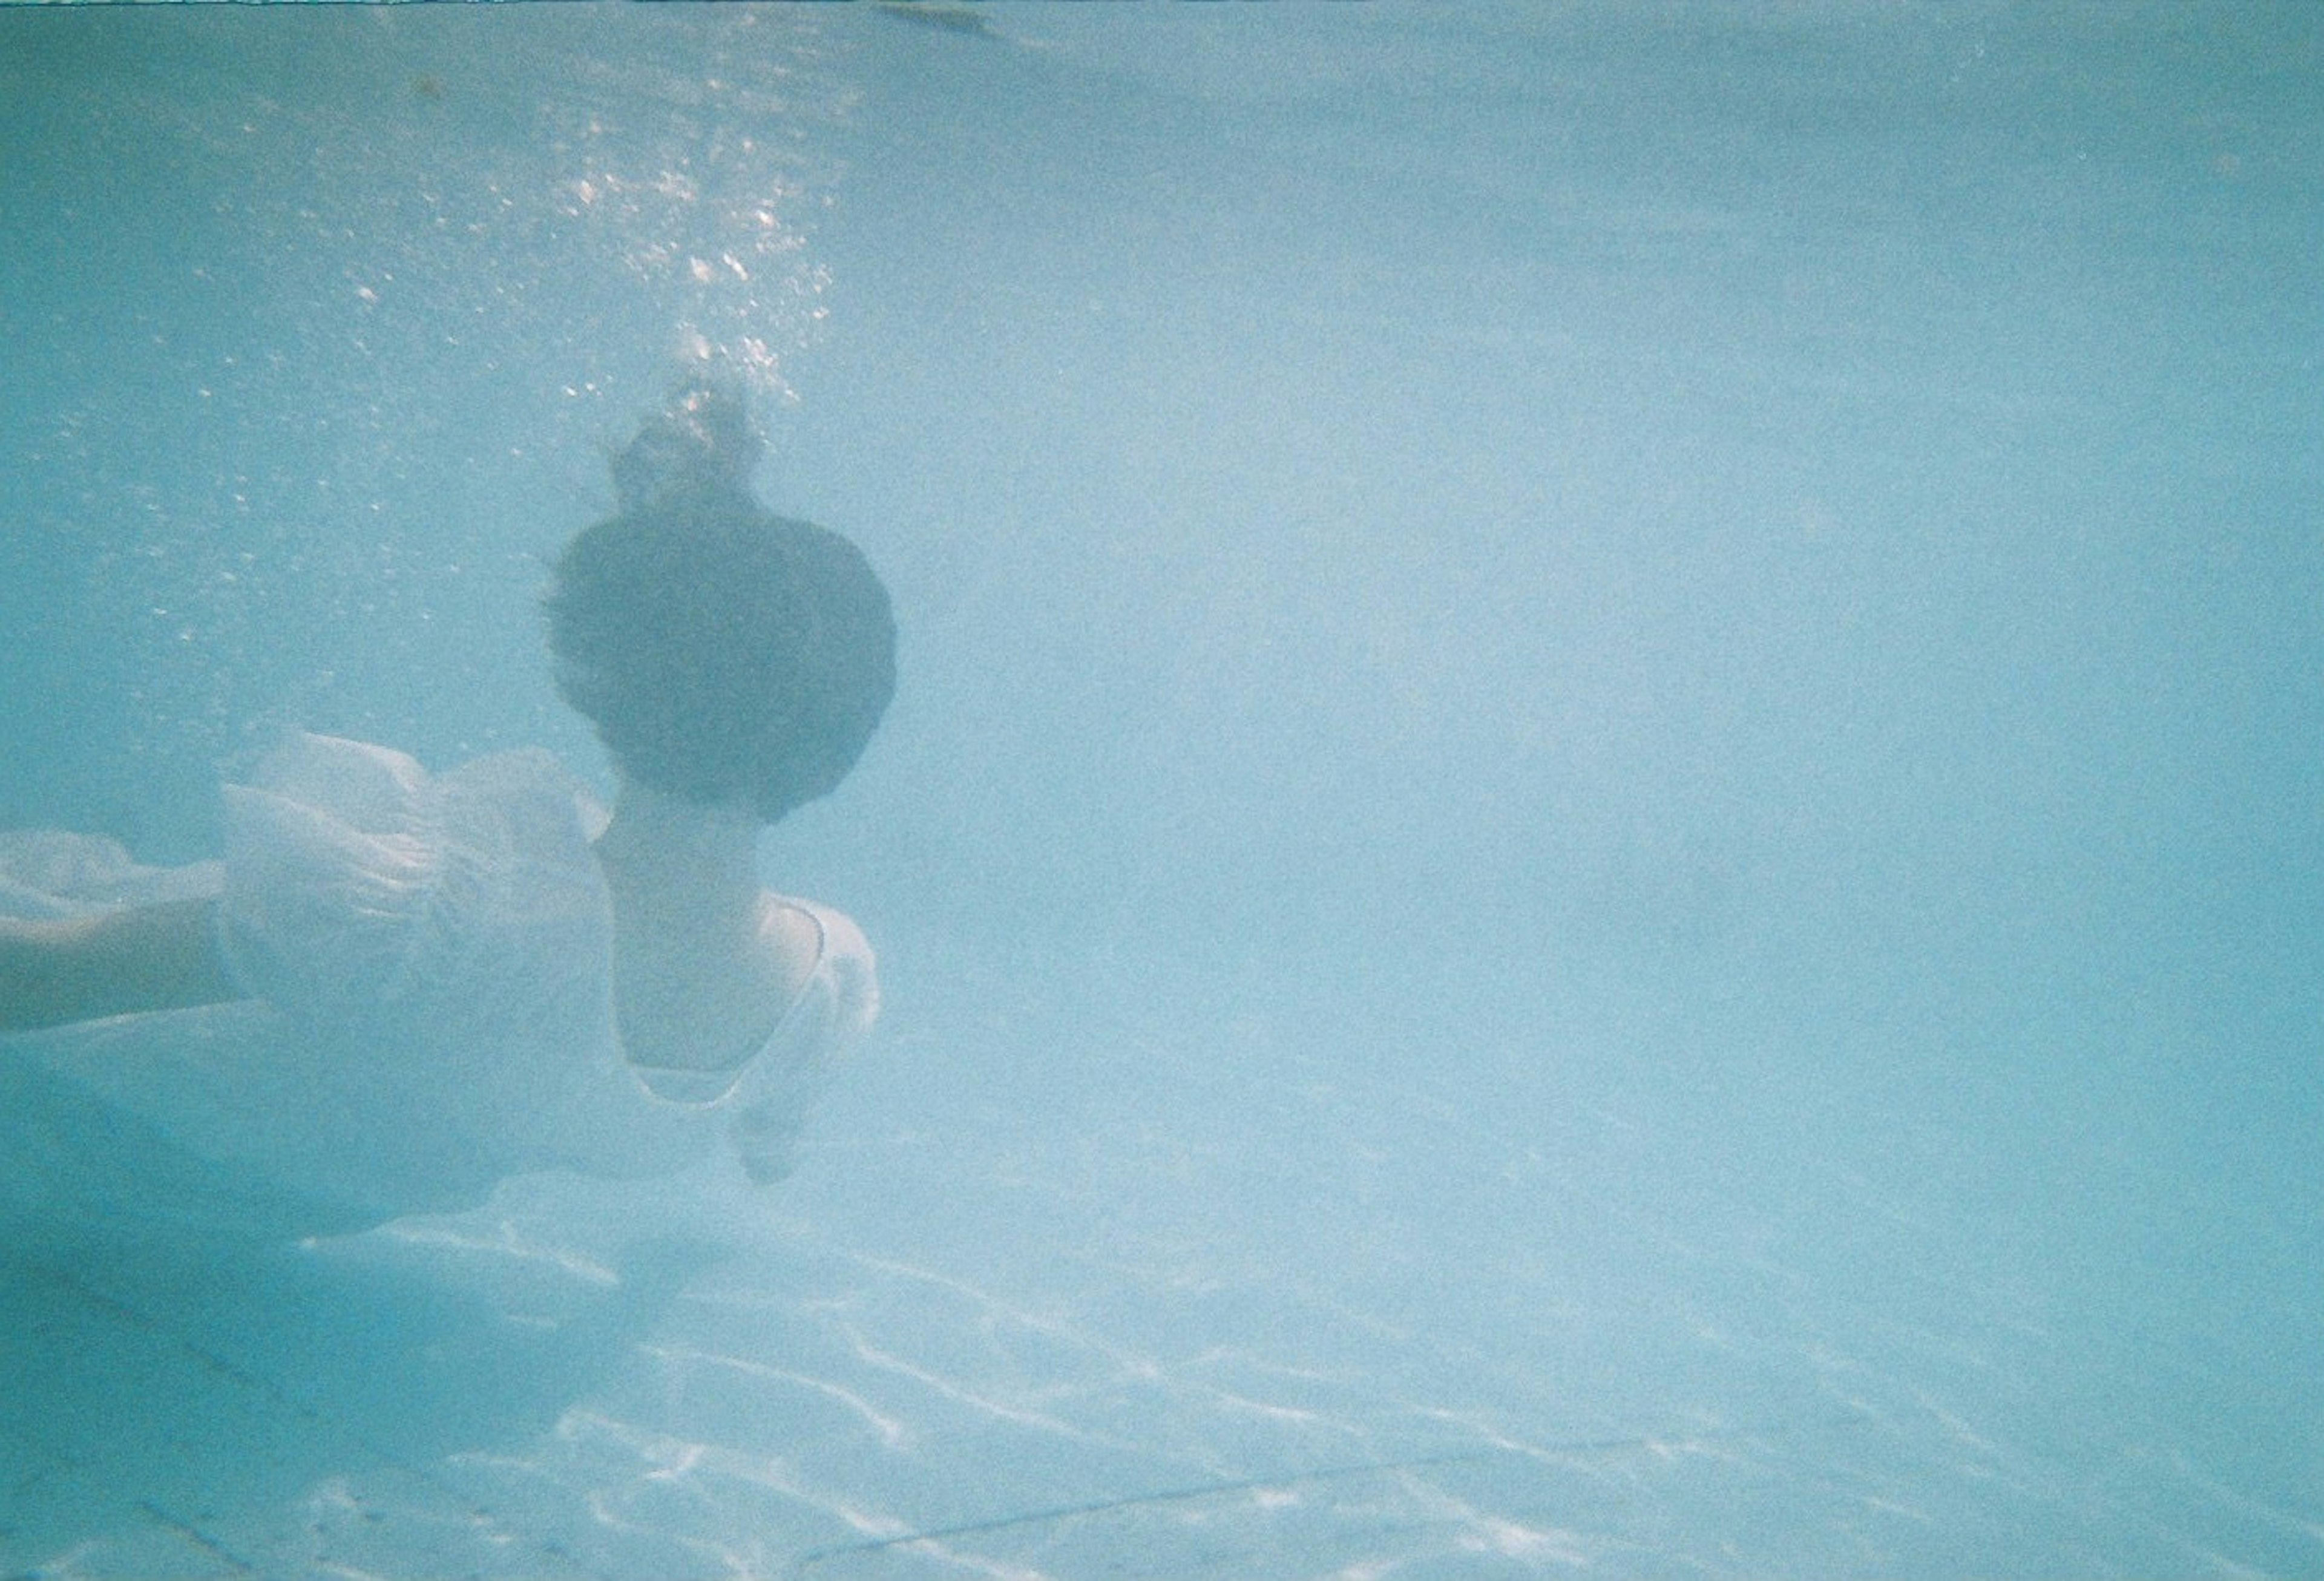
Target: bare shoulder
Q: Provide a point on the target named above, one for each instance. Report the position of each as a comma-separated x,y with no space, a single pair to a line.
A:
793,938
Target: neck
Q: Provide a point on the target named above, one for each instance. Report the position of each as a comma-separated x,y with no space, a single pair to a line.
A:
669,861
691,984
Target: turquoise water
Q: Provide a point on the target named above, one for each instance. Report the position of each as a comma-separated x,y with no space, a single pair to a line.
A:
1602,850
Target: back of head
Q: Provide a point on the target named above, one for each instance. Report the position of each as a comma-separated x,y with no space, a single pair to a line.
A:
724,654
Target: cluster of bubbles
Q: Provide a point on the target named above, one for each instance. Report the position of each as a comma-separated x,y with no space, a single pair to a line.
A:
699,185
747,293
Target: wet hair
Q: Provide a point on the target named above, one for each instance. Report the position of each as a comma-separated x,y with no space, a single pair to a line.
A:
703,439
724,654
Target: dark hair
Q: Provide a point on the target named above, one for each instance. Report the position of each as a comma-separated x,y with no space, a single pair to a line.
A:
724,653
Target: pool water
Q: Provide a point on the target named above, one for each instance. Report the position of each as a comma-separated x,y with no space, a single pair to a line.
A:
1601,849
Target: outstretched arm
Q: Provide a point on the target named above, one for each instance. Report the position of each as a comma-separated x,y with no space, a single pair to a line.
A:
111,964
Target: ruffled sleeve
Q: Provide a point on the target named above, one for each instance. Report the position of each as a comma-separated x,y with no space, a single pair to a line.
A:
330,857
441,943
359,885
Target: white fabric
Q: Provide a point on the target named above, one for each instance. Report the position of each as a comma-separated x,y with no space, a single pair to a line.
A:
432,956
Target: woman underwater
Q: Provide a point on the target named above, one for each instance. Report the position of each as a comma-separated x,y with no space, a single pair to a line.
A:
398,988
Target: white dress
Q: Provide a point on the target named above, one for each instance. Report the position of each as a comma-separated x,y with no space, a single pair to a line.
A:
429,961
